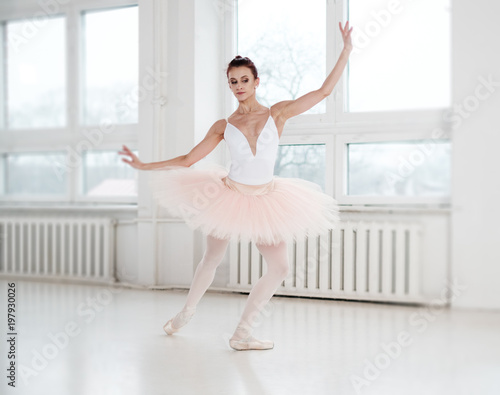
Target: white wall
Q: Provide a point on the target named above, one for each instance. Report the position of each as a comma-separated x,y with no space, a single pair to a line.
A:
183,38
476,163
166,123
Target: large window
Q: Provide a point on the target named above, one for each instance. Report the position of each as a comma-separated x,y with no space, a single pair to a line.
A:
401,59
70,94
286,39
36,74
110,59
399,169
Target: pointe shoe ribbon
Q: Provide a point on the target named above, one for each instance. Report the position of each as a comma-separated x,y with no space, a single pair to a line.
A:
251,343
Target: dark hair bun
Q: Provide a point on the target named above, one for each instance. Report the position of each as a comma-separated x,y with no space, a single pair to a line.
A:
240,61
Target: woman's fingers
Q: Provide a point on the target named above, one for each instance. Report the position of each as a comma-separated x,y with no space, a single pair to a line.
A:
341,28
348,29
131,159
345,29
126,149
125,153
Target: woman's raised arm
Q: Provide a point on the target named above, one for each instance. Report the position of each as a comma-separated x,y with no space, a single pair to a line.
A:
202,149
290,108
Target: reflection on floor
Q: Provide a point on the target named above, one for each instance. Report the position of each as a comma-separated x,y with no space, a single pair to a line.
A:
91,340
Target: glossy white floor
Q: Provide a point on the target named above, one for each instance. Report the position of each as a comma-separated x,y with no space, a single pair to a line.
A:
76,339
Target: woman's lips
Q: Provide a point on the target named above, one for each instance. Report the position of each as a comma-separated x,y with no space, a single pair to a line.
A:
240,93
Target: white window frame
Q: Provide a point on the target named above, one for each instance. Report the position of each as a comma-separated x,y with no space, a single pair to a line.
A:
74,133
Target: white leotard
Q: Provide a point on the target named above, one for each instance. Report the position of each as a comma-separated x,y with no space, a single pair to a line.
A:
245,167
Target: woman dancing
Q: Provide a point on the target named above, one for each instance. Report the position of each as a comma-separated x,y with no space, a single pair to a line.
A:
247,202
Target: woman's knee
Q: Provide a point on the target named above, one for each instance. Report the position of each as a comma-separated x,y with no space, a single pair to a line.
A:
215,251
282,269
279,267
276,258
211,259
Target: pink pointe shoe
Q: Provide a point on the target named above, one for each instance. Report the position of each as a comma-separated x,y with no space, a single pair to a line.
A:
251,343
242,340
168,328
181,319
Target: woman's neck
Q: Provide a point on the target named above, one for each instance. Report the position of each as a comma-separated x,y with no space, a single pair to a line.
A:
249,105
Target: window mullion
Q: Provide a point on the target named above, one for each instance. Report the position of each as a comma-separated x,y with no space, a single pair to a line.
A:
332,49
73,89
72,86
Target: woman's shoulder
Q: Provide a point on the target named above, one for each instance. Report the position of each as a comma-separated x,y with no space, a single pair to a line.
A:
278,107
220,122
219,126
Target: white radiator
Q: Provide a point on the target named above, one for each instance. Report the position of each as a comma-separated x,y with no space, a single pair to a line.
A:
376,261
57,247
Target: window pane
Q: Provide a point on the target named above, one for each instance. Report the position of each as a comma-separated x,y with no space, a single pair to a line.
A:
402,55
36,74
35,174
305,161
111,53
287,42
417,168
105,174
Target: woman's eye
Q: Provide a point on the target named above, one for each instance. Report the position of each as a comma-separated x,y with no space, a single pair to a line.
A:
245,81
233,82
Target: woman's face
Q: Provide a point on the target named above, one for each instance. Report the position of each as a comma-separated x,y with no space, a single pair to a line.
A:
242,83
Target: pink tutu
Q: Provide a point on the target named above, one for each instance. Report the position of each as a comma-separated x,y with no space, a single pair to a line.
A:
285,209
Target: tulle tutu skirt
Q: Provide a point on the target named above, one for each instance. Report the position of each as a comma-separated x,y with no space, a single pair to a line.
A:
285,209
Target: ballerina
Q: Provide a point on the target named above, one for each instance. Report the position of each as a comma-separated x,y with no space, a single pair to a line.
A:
247,202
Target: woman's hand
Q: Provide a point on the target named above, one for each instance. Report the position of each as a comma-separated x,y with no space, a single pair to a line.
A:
291,108
346,35
133,161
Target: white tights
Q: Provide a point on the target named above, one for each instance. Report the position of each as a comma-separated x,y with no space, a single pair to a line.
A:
276,257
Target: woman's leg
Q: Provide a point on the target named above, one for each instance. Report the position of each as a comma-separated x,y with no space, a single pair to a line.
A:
203,277
276,257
